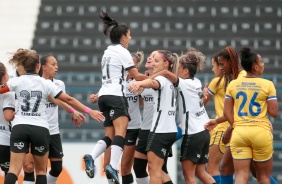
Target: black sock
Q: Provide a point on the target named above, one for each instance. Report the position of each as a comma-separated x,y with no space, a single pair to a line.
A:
41,179
10,178
168,182
127,179
29,176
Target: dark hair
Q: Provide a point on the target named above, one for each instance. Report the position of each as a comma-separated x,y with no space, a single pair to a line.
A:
112,28
139,56
172,58
26,58
3,71
230,54
193,60
222,75
248,58
43,61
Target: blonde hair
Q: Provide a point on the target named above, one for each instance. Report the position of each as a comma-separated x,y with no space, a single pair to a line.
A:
193,60
172,58
139,56
26,58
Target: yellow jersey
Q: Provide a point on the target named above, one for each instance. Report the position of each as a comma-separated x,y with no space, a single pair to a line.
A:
218,93
250,97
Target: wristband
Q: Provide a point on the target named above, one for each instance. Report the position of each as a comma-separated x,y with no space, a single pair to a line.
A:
71,110
87,110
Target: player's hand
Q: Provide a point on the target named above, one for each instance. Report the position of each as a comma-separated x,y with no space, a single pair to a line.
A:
134,87
210,125
78,119
97,115
93,98
227,135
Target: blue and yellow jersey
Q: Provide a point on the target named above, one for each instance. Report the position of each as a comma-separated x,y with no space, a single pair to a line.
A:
218,93
250,97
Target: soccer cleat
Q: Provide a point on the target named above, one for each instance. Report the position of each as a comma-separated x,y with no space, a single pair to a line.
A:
89,165
112,173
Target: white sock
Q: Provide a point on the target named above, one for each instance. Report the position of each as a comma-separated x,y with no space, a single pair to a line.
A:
98,149
145,180
28,182
110,181
51,179
116,152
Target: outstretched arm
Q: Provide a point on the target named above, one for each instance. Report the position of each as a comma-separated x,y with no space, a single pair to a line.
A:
170,76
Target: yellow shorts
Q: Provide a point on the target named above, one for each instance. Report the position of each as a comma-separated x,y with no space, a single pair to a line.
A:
251,142
216,139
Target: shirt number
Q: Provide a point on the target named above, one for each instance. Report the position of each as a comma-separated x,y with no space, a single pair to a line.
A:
252,104
26,98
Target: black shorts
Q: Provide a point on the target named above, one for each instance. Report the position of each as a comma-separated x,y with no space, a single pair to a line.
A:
5,158
141,142
55,146
22,135
160,143
131,137
113,107
195,147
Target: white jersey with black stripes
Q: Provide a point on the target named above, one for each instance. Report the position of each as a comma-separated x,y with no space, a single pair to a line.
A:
7,101
164,107
191,106
133,108
32,94
148,109
52,110
115,62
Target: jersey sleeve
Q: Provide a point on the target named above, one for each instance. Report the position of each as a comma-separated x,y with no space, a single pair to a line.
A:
181,84
161,80
229,90
9,101
212,86
272,92
12,84
127,61
53,90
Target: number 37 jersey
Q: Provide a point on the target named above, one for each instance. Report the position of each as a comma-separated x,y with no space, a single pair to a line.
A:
32,94
250,97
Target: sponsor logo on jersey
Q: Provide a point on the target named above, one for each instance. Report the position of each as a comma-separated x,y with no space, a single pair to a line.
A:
132,98
19,145
49,105
171,113
148,98
39,149
2,127
200,113
239,151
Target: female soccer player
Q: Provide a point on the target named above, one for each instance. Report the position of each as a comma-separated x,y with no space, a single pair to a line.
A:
7,113
30,125
116,63
48,70
163,131
195,144
250,99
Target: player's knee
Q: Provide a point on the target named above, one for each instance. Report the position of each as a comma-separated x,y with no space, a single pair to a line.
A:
139,167
29,167
56,168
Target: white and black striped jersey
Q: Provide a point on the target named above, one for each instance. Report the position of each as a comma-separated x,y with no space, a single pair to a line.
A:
164,107
32,94
7,101
148,109
115,62
52,110
133,107
191,106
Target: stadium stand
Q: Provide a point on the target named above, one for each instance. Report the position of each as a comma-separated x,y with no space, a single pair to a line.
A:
72,32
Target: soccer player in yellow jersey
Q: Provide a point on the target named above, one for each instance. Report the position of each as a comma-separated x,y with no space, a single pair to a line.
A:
250,99
229,64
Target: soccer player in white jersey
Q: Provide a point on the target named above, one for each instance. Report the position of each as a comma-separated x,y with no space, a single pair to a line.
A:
140,156
48,70
195,144
7,112
163,131
133,127
30,124
116,63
